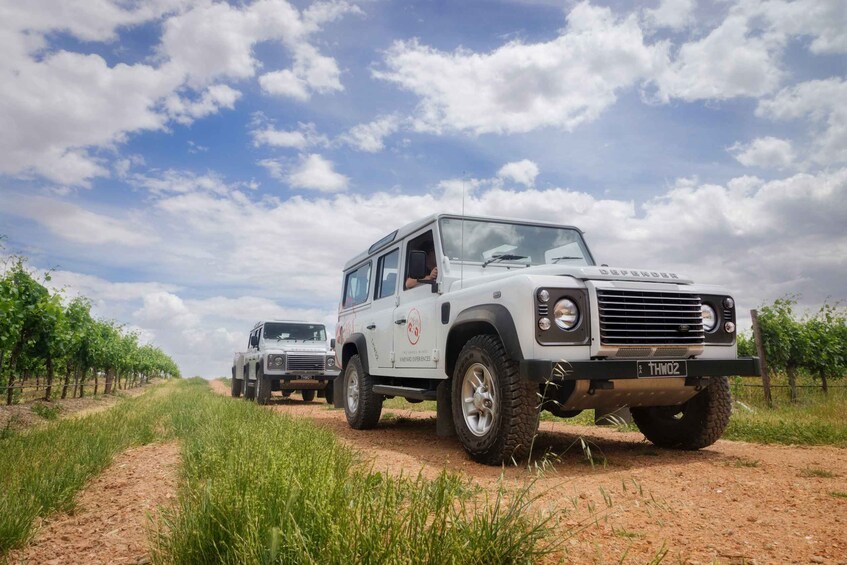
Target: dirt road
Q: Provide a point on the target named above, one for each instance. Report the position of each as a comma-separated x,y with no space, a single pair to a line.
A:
731,503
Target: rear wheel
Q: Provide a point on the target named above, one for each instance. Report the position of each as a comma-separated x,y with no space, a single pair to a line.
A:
308,395
495,412
698,423
237,385
361,405
263,388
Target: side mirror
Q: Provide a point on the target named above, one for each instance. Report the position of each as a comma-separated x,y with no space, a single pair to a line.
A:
332,344
254,341
417,265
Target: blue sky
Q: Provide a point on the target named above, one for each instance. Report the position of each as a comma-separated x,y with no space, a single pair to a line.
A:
194,166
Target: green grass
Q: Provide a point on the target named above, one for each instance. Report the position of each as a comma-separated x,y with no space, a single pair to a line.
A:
815,420
838,494
43,468
817,473
260,487
46,411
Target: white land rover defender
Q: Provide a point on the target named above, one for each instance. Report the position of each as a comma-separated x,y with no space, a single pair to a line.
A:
499,319
285,356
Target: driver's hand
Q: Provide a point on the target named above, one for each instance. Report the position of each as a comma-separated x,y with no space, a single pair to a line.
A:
433,274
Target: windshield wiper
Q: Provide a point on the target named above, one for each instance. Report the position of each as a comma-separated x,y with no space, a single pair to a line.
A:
557,259
504,257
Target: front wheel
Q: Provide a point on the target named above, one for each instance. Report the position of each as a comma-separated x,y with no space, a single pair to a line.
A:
495,412
237,385
696,424
263,388
308,395
361,405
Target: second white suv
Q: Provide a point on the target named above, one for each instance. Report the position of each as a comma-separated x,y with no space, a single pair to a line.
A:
286,356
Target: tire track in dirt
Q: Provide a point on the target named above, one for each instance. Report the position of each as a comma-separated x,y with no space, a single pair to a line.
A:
112,513
733,502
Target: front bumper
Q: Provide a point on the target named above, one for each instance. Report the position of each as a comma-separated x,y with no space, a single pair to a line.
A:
540,370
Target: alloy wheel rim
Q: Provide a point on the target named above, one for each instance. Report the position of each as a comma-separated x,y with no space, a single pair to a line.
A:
353,391
479,399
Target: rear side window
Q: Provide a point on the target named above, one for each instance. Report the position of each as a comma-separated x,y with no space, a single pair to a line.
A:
356,286
387,274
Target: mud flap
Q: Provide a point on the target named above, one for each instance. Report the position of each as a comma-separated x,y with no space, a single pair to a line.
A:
444,426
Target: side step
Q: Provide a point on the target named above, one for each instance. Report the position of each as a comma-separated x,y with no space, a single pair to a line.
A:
406,392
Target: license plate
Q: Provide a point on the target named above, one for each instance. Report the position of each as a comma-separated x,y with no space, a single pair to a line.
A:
662,368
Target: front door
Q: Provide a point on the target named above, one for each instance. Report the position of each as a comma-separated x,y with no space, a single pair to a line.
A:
415,330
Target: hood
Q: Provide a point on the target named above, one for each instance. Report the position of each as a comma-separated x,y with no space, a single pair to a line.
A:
283,347
578,272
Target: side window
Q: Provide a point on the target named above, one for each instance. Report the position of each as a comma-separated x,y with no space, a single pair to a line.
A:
425,243
387,274
356,286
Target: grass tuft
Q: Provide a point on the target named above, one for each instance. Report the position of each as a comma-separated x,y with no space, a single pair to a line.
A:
46,411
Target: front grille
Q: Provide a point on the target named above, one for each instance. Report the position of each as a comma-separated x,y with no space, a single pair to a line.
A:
304,362
639,317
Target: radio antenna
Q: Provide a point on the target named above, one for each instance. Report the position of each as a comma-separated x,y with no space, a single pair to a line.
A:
462,244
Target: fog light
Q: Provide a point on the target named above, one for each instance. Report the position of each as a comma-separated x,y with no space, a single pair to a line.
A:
544,324
729,327
728,303
543,296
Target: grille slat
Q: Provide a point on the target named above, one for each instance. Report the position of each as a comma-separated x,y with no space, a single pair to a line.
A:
311,363
635,317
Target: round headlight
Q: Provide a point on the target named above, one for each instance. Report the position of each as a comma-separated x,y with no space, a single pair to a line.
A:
566,314
543,296
330,361
544,324
710,317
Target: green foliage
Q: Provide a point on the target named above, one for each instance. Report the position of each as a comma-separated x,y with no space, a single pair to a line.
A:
38,332
46,411
816,344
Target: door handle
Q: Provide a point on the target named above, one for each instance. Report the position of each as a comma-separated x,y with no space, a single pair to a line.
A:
371,326
400,322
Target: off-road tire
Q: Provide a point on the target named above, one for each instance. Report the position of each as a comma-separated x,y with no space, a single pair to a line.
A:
365,415
237,385
516,403
249,387
308,395
698,423
329,392
263,388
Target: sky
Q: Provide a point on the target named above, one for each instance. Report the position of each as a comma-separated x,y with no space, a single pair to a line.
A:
195,166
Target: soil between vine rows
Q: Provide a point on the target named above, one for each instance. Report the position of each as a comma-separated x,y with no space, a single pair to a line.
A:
733,502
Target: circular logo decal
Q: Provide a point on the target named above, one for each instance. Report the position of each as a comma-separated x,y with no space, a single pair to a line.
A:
413,326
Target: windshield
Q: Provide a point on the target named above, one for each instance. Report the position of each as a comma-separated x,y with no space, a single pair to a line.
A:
285,331
499,243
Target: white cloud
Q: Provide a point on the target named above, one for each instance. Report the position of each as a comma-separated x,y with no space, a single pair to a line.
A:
370,137
58,106
180,182
824,20
522,172
519,87
733,60
672,14
212,100
821,101
79,225
316,173
765,152
305,136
